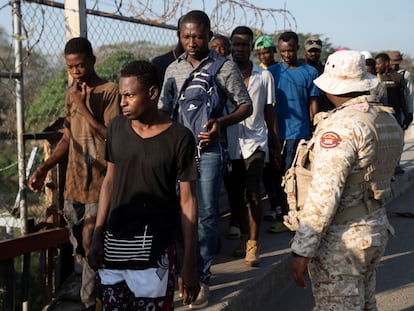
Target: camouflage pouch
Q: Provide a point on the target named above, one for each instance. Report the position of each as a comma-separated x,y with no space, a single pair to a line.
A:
296,182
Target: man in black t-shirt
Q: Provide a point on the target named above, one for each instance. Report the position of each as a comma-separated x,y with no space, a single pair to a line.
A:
133,241
161,62
394,83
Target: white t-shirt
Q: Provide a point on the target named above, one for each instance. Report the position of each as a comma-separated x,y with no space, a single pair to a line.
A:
250,134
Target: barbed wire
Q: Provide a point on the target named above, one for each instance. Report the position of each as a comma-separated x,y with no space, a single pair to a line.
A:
242,12
224,14
29,34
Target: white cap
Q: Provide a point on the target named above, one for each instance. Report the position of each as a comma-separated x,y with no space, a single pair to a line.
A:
345,72
366,54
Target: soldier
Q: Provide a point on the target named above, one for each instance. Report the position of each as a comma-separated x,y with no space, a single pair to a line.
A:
343,226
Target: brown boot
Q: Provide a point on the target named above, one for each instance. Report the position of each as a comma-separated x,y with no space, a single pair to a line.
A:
240,251
252,253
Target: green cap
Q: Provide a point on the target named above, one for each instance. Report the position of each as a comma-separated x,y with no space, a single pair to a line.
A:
264,42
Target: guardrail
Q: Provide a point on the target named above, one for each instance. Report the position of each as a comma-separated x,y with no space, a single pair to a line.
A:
48,240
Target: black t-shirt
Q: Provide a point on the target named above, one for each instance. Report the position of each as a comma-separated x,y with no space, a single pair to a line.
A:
394,83
161,63
145,206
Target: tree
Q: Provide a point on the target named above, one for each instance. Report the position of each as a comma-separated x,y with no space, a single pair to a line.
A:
7,86
36,70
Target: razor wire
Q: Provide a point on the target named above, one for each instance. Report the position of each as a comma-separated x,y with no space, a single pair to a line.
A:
224,14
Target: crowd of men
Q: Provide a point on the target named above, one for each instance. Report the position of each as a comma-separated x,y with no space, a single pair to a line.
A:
143,186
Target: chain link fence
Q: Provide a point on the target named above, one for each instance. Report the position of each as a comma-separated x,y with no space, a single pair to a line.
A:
115,43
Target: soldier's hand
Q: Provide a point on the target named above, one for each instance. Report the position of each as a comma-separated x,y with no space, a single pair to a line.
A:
299,269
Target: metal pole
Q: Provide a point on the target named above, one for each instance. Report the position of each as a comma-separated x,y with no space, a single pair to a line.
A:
18,68
18,54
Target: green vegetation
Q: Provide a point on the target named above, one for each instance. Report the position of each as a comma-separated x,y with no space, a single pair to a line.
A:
8,174
48,103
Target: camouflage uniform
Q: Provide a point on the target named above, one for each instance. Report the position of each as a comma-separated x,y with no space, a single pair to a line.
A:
345,251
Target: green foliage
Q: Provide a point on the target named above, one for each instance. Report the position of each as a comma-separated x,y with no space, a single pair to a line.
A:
110,68
7,86
8,174
48,103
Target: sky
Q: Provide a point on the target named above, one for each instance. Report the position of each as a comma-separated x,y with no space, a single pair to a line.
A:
372,25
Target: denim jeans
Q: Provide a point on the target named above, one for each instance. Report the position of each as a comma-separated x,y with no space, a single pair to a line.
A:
209,183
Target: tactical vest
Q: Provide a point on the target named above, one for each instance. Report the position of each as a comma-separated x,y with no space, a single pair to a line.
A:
374,181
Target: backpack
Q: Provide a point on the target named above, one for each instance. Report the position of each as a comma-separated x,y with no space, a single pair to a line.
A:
200,98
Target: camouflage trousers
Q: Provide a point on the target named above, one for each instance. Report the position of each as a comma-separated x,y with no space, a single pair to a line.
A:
343,273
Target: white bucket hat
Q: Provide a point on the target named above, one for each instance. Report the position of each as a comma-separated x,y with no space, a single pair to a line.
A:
345,72
367,55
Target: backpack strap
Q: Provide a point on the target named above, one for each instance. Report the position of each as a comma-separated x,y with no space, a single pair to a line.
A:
212,70
216,65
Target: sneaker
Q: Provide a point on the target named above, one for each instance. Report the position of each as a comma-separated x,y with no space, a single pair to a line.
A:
202,298
240,250
252,253
233,233
278,227
270,216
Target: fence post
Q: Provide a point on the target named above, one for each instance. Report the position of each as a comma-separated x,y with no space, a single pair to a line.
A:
75,18
18,54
